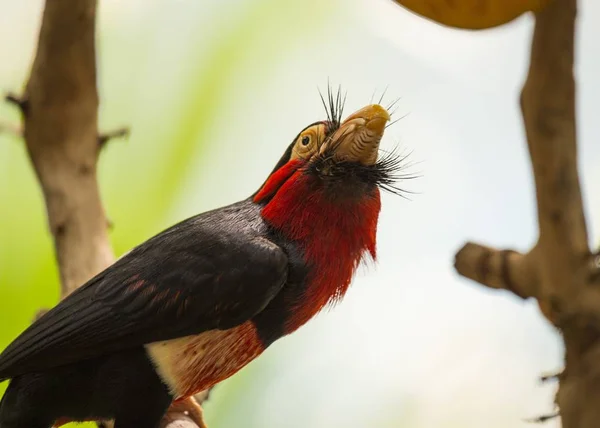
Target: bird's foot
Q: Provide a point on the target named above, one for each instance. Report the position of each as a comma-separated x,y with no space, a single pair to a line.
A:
188,407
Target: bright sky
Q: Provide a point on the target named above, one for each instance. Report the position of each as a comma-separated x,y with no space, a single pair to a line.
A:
411,339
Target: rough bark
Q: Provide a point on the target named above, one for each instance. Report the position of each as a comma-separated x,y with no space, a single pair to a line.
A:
60,109
560,272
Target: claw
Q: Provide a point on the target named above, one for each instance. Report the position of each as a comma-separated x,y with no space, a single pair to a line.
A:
191,409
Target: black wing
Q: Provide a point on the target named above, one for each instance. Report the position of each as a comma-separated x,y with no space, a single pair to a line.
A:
211,271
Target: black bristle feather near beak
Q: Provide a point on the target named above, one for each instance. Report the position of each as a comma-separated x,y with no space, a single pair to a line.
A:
386,173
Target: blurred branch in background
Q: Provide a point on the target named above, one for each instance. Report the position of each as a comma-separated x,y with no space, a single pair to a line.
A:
107,136
560,272
59,108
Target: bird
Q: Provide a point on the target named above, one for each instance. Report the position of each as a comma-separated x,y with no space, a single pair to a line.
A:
192,305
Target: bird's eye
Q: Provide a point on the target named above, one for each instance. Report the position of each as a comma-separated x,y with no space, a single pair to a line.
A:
305,140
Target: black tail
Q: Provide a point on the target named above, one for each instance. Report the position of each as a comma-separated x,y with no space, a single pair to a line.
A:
20,407
122,386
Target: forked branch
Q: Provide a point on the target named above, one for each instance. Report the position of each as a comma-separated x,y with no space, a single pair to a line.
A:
560,272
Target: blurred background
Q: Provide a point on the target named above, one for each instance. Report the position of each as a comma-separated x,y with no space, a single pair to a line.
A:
214,91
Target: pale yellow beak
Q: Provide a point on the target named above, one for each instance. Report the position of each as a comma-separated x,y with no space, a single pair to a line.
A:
358,137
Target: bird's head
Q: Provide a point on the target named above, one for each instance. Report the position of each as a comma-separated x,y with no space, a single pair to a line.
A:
339,160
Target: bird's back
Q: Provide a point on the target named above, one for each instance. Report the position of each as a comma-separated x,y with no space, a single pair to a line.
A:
185,280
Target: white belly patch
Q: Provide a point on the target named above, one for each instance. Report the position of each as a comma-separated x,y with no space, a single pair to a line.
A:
192,364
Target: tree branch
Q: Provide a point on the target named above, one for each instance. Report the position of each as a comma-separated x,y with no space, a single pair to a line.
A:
556,271
560,272
107,136
548,107
500,269
60,110
19,102
60,129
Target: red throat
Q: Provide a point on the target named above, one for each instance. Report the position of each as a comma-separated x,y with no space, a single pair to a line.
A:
335,235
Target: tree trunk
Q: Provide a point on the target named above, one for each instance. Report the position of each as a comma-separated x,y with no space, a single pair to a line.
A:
60,126
560,271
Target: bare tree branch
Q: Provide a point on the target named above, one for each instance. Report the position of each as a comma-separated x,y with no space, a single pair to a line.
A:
60,109
560,272
21,103
548,106
557,270
117,133
544,418
501,269
60,129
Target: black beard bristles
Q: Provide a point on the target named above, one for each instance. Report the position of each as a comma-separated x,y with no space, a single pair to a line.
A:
386,173
390,169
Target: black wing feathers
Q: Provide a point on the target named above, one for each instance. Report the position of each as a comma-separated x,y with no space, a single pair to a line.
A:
215,270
